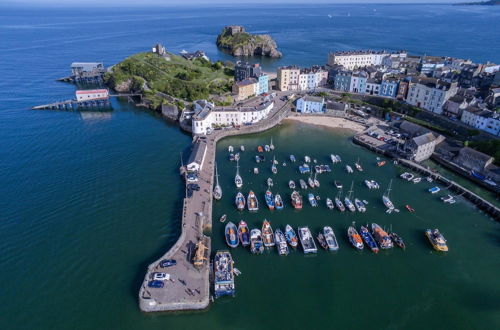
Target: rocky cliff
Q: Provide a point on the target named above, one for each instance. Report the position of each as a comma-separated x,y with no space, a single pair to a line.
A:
241,43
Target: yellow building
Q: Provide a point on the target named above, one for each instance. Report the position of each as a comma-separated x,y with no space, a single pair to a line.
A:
288,78
245,89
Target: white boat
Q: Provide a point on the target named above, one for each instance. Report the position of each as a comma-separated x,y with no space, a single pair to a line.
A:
434,190
385,198
333,158
310,181
329,203
331,240
242,148
338,158
359,205
217,189
280,242
448,199
429,179
368,183
307,159
347,200
375,184
274,169
230,149
270,182
271,146
307,240
303,184
238,181
316,182
255,170
348,169
417,180
291,184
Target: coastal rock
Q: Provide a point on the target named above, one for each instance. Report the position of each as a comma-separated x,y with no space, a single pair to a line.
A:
241,43
123,87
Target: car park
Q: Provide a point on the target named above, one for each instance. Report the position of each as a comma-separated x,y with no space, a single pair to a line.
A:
156,284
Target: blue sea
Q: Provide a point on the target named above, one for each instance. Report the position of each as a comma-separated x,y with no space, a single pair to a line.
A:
88,200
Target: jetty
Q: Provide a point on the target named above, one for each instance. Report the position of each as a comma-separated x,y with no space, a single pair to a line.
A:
189,285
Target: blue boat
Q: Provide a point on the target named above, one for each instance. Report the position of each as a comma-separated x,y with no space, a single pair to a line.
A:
278,202
223,274
312,200
478,175
269,197
244,233
304,169
368,238
231,233
292,158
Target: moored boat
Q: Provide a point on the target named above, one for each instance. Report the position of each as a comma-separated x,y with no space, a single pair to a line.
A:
381,237
231,235
338,184
310,181
244,233
360,206
242,148
223,218
240,201
315,181
358,166
338,158
329,203
368,238
259,149
256,243
355,238
312,200
434,190
375,184
307,159
291,237
368,183
409,208
274,169
291,184
333,158
292,158
437,240
307,240
217,189
238,181
270,182
271,146
303,184
385,198
381,163
339,204
255,170
278,202
296,200
230,149
331,240
322,241
252,202
397,240
223,274
267,148
267,234
280,241
348,169
269,197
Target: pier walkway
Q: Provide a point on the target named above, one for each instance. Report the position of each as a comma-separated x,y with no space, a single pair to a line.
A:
189,287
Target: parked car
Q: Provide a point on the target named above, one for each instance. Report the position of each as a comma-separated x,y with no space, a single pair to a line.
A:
167,263
155,284
192,177
161,276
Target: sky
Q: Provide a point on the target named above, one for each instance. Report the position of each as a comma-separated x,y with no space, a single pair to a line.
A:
205,2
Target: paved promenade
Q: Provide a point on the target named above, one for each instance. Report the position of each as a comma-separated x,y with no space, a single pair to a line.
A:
189,287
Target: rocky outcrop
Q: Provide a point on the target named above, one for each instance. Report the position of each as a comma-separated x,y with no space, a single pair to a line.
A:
241,43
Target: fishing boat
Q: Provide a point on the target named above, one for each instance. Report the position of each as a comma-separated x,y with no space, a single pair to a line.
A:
310,181
329,204
409,208
312,200
360,206
303,184
316,182
318,169
358,166
331,240
223,218
291,184
355,238
437,240
255,170
381,237
240,201
348,169
230,149
307,240
448,199
322,241
252,202
375,184
381,163
397,240
318,198
242,148
292,158
291,237
368,239
269,197
256,243
217,189
296,200
278,202
238,181
243,233
385,198
338,184
274,169
231,235
280,240
270,182
267,234
271,146
259,149
223,274
267,148
347,201
434,190
368,183
307,159
339,204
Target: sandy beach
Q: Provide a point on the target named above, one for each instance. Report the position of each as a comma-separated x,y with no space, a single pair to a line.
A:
332,122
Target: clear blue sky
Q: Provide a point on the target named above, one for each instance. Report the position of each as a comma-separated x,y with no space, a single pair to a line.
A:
207,2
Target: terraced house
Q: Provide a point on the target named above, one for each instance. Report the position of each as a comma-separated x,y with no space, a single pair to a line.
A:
430,93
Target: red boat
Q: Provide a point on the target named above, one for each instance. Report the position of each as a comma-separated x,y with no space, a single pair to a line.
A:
259,149
296,200
409,208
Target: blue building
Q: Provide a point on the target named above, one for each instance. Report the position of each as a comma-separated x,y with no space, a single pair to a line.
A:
342,81
358,82
263,84
389,87
311,104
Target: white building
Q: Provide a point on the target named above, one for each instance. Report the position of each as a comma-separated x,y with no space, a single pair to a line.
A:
430,94
422,147
208,118
358,59
372,86
310,104
197,157
92,94
485,120
293,78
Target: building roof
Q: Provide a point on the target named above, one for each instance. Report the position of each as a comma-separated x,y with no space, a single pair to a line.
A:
337,106
310,98
412,129
91,91
423,139
474,154
198,153
258,107
86,65
246,82
365,52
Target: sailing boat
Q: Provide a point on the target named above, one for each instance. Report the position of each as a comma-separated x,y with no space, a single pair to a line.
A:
238,181
338,202
347,200
316,182
271,146
311,181
274,169
217,188
385,198
358,166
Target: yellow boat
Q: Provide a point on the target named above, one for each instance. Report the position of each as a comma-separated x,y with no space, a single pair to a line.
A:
437,240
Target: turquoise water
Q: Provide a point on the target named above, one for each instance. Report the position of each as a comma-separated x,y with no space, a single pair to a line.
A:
88,201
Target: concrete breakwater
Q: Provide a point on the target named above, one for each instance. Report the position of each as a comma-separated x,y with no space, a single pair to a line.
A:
189,286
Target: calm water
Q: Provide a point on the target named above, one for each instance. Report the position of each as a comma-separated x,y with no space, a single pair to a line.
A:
88,201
